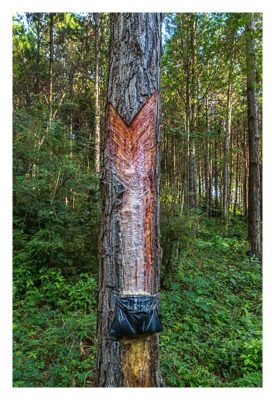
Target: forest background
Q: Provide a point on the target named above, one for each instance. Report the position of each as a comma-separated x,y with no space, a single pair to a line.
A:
211,288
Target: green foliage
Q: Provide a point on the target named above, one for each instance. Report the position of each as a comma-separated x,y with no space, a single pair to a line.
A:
210,308
211,311
252,355
56,201
54,334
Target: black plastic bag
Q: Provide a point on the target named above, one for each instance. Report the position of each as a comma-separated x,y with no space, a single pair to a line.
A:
135,315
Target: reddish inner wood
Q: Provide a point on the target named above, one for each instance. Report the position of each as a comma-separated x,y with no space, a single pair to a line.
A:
133,155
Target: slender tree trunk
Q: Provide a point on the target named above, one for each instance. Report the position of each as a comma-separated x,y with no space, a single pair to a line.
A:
216,177
254,204
206,165
38,26
51,70
244,173
245,196
50,98
130,252
227,138
97,90
210,175
199,177
187,126
237,177
193,200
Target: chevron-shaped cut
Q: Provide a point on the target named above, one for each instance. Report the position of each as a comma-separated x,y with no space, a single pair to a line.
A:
133,158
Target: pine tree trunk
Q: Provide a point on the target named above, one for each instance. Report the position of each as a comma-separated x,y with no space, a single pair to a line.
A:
51,69
97,90
130,252
227,137
236,178
38,25
244,172
254,195
193,196
206,164
216,176
187,129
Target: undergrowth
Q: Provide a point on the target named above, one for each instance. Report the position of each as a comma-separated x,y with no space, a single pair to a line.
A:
210,308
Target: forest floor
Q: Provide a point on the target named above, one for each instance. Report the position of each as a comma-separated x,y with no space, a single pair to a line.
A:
211,310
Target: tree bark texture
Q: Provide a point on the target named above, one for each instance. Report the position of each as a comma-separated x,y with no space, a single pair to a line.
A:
130,252
254,194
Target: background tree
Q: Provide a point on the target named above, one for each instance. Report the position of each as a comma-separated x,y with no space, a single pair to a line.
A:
254,208
97,20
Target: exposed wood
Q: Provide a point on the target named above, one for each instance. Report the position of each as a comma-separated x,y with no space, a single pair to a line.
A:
133,154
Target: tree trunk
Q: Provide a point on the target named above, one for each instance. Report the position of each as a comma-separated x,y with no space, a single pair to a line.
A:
227,136
216,176
51,70
193,200
187,126
254,198
97,90
244,172
130,252
236,176
206,164
37,20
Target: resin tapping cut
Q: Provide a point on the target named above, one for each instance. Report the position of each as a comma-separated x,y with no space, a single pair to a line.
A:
133,161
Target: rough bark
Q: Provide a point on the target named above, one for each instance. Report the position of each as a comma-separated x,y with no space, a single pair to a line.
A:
130,252
254,194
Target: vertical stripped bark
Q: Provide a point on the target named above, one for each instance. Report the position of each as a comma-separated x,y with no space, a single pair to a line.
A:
97,90
130,252
254,195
